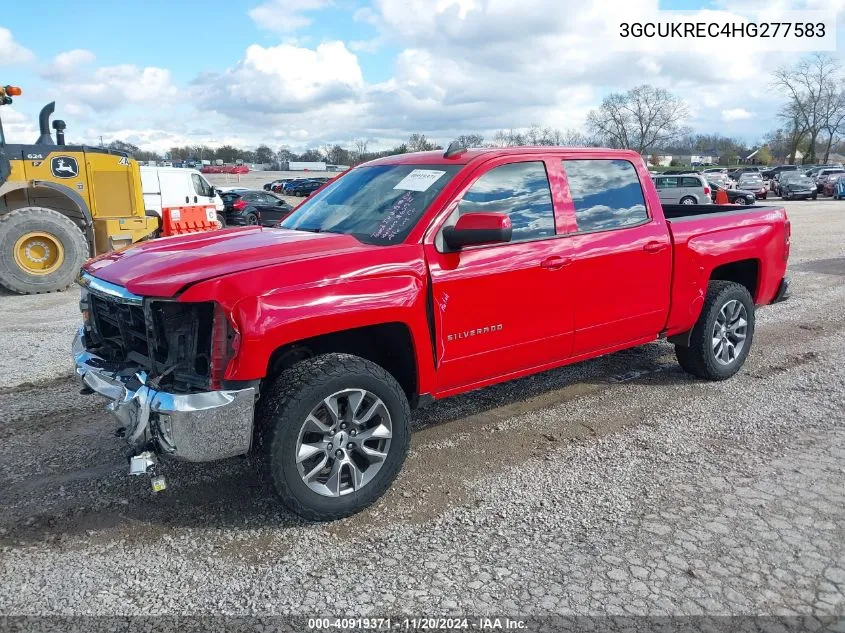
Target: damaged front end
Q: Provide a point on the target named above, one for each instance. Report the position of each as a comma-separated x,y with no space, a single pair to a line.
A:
161,363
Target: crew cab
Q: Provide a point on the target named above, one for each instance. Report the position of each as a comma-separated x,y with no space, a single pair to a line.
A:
408,279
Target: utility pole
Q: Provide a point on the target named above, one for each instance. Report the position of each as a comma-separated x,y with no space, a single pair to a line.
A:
101,141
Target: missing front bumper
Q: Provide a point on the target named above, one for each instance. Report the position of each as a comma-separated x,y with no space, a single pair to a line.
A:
196,427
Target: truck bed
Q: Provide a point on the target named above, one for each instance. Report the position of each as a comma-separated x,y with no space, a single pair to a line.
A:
683,211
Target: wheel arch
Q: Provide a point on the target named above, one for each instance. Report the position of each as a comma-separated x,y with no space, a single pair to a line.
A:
389,345
745,272
40,193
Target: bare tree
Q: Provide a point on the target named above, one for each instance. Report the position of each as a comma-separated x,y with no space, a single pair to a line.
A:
833,107
508,138
360,149
420,143
806,84
470,140
643,118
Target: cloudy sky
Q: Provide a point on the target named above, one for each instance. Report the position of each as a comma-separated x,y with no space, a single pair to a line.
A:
302,73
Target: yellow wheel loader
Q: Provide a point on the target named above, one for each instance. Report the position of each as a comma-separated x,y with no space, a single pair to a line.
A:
61,204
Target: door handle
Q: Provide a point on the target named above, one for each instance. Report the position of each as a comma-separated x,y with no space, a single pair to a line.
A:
654,247
555,262
187,199
195,198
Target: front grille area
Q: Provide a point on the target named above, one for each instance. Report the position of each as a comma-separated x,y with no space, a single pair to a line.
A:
169,340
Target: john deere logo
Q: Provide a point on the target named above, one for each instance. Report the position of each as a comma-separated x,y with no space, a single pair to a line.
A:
64,167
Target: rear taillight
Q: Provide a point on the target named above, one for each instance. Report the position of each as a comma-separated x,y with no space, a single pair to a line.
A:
239,204
224,342
707,191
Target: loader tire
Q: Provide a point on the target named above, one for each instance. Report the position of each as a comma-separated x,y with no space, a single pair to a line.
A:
41,250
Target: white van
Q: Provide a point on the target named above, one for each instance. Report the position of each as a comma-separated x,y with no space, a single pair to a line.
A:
177,187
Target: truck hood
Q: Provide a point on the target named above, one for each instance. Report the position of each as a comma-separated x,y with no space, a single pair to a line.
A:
163,267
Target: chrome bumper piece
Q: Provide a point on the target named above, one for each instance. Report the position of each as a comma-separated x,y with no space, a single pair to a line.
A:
196,427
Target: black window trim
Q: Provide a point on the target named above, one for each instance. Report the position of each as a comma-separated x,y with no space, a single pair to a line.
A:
455,203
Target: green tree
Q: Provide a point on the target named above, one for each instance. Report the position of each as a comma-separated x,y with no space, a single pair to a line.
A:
764,155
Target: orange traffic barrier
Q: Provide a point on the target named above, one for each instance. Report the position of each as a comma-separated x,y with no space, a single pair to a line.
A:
193,219
722,197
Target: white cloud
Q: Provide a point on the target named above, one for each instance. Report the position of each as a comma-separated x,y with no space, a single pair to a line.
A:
18,127
285,15
366,46
736,114
283,79
11,52
67,63
108,88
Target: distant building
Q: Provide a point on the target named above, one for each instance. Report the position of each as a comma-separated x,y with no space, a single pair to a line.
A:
306,166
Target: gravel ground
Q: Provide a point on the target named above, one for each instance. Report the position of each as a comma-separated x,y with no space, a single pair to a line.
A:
616,486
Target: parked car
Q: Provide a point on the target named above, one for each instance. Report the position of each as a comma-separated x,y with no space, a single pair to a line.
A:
823,175
753,182
797,186
222,190
268,186
771,172
739,171
254,207
688,189
279,186
302,187
330,317
735,196
831,184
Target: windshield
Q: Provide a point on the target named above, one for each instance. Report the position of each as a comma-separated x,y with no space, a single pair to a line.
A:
377,205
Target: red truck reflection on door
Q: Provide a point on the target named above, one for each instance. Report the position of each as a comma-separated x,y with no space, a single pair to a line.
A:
497,263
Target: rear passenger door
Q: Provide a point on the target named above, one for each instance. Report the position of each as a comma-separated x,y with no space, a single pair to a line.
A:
500,309
621,257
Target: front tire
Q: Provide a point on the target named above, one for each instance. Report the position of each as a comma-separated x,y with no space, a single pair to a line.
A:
722,336
310,428
41,250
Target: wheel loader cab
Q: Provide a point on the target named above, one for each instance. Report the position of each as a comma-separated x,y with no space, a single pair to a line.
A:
61,204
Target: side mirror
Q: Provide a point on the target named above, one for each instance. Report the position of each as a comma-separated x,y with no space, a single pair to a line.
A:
478,228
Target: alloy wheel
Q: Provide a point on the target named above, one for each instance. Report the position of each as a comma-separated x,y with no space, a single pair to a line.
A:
730,331
343,442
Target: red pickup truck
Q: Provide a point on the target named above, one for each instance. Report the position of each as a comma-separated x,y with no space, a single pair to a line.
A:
408,279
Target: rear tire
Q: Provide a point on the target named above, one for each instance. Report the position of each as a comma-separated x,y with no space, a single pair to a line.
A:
688,200
41,250
221,221
284,429
733,303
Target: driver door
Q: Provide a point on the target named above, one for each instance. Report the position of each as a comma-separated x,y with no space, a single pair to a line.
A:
501,309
